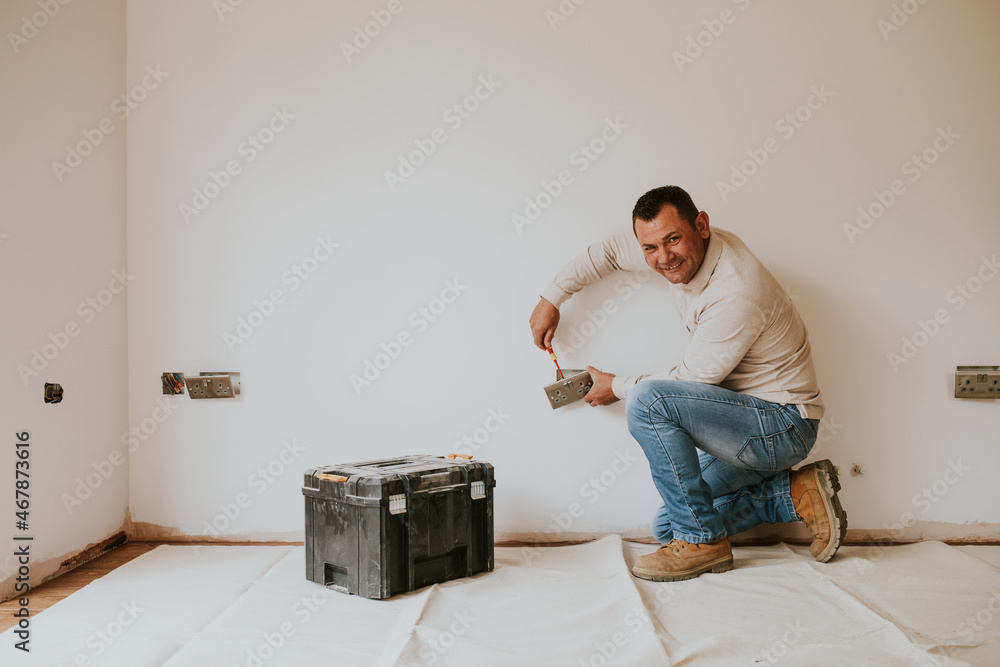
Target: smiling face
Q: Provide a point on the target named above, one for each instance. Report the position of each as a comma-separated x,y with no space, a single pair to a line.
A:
672,246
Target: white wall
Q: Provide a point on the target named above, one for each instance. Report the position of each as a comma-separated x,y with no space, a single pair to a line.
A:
62,237
323,176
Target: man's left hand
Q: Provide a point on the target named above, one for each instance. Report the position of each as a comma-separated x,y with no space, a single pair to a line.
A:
600,393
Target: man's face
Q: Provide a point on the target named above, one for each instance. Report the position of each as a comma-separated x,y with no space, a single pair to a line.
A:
671,246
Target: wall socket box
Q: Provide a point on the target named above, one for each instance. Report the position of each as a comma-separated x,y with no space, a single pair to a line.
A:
173,383
213,385
977,382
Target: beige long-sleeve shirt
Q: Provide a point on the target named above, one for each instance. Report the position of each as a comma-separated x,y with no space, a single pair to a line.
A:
746,335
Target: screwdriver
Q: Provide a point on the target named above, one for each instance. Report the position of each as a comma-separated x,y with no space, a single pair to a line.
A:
556,362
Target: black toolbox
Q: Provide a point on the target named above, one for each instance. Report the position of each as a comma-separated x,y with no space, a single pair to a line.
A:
379,528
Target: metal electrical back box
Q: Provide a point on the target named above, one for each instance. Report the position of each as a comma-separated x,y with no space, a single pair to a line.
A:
379,528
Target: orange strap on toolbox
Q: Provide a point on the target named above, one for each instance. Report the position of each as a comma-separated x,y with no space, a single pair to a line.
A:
467,457
331,478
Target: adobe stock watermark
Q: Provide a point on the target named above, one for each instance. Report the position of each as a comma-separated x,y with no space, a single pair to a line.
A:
699,43
30,25
927,329
439,644
899,17
471,443
264,309
968,629
773,654
637,619
922,501
921,658
624,288
105,637
259,481
272,642
302,611
786,126
915,168
120,108
364,34
562,12
584,156
223,7
606,651
305,609
979,621
592,490
88,309
828,430
932,494
137,434
421,320
248,149
455,116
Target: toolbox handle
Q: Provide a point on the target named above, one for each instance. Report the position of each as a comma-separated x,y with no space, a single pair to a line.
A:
442,489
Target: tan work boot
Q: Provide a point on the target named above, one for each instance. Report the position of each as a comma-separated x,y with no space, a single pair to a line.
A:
814,493
678,560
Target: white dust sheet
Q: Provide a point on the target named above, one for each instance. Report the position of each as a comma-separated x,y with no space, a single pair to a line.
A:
925,604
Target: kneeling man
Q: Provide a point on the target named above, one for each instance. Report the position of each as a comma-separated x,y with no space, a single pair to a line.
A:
722,428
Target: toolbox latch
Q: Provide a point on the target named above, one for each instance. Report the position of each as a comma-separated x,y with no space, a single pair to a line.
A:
397,503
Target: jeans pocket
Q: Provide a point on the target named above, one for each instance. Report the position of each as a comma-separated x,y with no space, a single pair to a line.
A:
758,452
781,445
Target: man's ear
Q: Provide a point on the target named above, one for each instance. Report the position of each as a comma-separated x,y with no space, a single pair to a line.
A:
701,225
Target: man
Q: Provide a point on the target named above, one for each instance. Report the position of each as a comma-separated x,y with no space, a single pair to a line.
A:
722,428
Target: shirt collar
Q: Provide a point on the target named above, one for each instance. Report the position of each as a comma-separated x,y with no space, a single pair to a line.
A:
708,264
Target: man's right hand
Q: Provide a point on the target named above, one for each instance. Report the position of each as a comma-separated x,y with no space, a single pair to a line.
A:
543,323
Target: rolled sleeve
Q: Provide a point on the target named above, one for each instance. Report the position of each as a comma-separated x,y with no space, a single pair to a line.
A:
555,295
621,385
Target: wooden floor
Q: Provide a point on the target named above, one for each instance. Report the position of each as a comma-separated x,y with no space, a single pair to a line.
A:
65,585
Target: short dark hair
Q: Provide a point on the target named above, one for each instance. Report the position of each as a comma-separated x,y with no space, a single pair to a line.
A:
650,204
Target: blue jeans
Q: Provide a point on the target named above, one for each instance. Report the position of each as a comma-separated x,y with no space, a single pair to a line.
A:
719,459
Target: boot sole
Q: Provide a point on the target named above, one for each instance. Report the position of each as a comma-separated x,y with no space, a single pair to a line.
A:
717,566
829,483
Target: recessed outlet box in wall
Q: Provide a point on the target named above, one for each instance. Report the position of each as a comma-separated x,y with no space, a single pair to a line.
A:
213,385
173,383
977,382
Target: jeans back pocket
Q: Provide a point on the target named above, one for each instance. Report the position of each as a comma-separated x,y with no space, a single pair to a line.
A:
758,452
781,447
